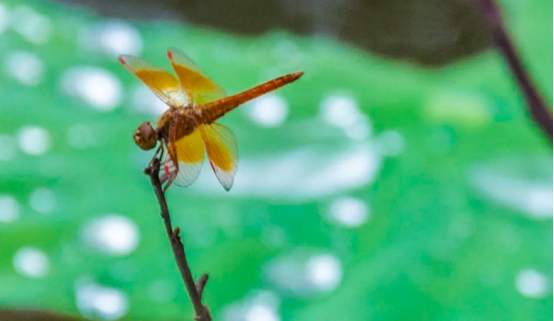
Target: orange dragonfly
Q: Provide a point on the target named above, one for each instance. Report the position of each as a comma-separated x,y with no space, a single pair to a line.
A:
189,127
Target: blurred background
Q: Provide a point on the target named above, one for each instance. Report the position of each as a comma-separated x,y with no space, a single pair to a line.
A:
399,179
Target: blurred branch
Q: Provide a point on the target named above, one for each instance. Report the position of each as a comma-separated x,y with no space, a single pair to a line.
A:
535,103
194,291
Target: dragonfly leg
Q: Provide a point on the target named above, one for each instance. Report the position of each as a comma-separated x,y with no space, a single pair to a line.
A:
160,149
170,179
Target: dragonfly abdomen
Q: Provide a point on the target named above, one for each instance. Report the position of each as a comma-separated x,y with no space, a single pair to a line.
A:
215,110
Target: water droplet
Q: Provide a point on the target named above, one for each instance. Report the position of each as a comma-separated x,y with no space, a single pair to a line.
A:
7,147
112,38
532,284
27,68
105,303
95,86
113,234
9,208
33,140
31,262
349,211
43,200
269,110
34,27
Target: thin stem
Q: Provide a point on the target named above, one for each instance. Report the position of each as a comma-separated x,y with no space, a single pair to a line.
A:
202,312
535,103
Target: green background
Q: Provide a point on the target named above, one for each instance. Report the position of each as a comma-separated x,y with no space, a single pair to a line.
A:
450,178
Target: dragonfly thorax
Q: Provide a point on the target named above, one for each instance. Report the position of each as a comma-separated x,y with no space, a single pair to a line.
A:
185,121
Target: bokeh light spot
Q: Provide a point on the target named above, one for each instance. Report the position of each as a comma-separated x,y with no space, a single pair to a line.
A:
34,27
533,197
111,37
257,306
340,110
113,234
269,110
100,302
304,274
302,173
324,272
360,130
9,208
42,200
4,18
33,140
95,86
349,211
31,262
261,313
532,284
26,67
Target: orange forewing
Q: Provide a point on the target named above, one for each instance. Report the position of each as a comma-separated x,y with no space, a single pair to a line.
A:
161,82
221,147
199,88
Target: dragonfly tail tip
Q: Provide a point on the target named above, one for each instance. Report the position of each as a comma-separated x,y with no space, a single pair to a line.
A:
294,76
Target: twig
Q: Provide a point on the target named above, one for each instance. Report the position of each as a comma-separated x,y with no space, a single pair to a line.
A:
195,293
535,103
201,284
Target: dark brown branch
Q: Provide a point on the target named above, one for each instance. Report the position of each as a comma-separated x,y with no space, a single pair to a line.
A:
535,103
195,294
201,284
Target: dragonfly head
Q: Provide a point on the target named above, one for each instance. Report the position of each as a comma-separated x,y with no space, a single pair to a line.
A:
145,136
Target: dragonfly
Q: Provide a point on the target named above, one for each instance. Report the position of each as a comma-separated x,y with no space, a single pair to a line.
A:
188,129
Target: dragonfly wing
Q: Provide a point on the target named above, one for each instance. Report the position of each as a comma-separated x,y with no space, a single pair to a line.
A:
199,88
186,155
221,147
161,82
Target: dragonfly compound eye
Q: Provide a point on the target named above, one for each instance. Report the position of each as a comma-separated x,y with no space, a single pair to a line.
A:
145,136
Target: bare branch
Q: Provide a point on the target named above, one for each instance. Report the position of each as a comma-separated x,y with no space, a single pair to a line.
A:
537,107
202,312
201,284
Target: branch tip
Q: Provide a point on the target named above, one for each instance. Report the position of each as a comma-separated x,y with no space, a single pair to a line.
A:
201,284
